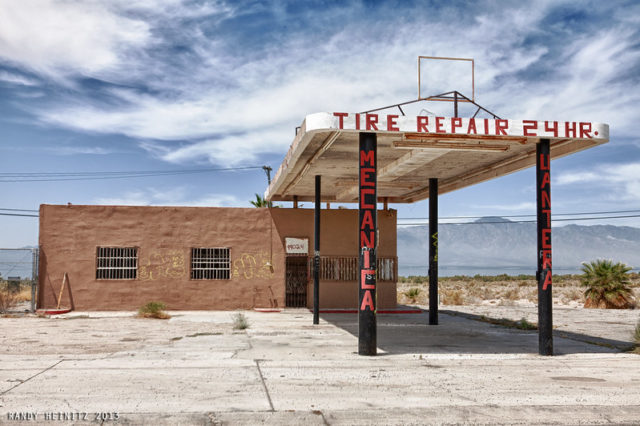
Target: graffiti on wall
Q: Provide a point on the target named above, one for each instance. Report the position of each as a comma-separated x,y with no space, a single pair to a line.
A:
163,264
252,265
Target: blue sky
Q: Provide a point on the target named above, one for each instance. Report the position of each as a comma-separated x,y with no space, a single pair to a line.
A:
126,85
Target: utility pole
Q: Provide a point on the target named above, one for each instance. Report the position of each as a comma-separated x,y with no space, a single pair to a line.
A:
267,170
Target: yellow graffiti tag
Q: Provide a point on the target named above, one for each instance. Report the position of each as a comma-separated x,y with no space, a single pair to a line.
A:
163,264
252,265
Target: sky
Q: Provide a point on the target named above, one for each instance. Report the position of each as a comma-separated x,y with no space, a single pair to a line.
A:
166,85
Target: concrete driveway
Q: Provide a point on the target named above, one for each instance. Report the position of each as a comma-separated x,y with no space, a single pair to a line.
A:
196,369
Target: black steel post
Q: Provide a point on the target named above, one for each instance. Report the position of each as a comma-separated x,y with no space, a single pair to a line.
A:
543,198
316,256
367,231
433,251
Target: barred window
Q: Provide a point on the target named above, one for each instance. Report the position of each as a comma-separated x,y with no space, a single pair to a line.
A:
347,268
117,263
210,263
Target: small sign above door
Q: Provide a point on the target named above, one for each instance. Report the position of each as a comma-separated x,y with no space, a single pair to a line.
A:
296,245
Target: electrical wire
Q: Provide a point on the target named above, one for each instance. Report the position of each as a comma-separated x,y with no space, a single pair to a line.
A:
522,221
17,214
71,176
18,210
522,215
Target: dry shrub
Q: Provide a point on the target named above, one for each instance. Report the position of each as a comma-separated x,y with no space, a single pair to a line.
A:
452,297
512,294
240,321
24,295
8,298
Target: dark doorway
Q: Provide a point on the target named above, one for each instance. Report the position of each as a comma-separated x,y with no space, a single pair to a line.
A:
297,279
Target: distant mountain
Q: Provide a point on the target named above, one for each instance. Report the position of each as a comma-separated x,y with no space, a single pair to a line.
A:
497,242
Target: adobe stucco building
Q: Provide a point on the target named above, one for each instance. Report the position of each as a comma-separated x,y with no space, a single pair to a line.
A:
119,257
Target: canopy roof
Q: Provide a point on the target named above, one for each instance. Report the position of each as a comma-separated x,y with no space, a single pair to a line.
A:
458,151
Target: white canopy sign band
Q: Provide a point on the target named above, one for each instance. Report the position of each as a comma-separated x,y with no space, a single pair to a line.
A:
471,127
413,149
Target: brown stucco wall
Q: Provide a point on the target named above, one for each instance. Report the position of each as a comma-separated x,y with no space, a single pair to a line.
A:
70,235
339,237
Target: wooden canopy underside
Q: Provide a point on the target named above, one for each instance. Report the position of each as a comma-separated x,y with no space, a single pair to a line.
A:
406,161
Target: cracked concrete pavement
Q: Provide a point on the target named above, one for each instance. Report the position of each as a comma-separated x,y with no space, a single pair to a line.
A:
196,369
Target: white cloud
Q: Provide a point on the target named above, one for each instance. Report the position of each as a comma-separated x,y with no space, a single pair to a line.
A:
176,196
622,180
17,79
523,206
576,177
230,105
74,150
57,38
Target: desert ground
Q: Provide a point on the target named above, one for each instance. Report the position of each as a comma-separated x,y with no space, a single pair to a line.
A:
196,368
501,290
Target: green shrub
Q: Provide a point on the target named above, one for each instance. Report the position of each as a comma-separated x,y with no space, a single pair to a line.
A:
607,285
523,324
154,310
413,293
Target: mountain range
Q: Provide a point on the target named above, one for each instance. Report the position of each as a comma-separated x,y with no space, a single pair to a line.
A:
495,242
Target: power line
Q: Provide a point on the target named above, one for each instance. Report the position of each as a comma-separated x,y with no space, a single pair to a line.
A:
524,221
523,215
18,210
70,176
17,214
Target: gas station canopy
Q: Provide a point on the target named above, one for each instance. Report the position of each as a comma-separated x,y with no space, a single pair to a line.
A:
411,149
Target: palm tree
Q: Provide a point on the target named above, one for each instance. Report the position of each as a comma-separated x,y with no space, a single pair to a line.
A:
261,202
607,285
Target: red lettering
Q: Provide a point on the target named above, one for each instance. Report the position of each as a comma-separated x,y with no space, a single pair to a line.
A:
365,174
546,180
422,124
372,121
367,240
486,126
363,279
544,162
472,126
585,130
528,126
392,126
341,116
501,127
439,125
547,213
363,192
546,259
367,221
367,260
570,129
455,122
367,156
546,239
357,121
367,301
547,280
553,128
